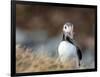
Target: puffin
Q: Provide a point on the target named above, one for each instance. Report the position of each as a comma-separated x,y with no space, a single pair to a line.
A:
68,49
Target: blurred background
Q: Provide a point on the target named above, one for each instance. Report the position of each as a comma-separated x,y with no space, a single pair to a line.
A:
40,28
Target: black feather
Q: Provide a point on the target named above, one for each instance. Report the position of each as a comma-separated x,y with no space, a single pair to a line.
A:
79,53
63,39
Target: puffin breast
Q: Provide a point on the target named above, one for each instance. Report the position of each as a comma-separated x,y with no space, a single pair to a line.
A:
66,50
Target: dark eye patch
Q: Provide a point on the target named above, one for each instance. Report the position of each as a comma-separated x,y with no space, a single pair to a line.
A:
65,27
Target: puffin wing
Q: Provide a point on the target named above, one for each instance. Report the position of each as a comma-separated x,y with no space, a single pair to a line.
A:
79,53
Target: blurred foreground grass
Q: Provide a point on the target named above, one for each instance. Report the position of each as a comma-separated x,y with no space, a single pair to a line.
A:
27,61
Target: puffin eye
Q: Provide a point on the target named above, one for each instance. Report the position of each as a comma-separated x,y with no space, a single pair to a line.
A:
65,27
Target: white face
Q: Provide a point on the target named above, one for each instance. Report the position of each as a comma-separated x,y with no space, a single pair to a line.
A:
68,30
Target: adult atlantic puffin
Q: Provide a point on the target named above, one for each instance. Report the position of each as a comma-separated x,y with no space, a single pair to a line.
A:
68,49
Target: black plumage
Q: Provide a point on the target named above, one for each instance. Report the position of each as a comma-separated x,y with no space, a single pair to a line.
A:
79,53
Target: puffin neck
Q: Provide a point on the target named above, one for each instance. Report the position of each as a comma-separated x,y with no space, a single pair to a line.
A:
67,38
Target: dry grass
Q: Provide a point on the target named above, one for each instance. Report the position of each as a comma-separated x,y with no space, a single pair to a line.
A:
26,61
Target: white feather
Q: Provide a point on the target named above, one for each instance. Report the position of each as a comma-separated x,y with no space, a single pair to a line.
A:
67,52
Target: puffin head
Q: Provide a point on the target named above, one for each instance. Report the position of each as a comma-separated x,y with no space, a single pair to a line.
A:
68,30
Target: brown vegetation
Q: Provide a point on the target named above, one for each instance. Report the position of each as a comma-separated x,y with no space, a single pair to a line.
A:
26,61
